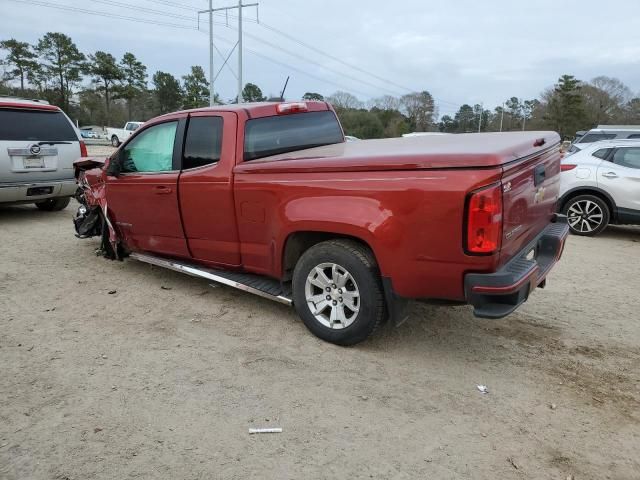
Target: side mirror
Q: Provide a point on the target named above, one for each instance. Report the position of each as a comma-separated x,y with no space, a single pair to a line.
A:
115,164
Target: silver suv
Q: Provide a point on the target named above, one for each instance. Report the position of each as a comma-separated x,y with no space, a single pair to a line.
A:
38,145
600,185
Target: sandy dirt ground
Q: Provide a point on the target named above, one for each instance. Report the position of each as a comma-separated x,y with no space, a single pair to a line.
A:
114,370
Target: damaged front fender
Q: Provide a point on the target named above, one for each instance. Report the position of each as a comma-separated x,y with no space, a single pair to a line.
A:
92,217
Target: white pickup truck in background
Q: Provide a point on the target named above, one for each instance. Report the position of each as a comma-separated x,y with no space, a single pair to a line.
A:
118,135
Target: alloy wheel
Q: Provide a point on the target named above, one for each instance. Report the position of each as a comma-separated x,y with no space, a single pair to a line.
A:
584,216
332,295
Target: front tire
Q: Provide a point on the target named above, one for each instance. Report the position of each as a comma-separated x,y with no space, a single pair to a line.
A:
337,292
53,204
587,215
115,142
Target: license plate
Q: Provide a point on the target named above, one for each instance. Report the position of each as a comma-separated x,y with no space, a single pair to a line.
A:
33,162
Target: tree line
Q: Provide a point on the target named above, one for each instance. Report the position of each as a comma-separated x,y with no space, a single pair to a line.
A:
567,107
97,88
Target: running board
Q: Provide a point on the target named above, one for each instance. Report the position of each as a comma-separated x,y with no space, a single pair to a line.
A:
258,285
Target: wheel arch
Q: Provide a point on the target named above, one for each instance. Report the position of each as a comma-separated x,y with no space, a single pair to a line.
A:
604,196
298,242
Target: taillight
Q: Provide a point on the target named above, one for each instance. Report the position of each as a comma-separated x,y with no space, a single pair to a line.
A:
484,220
296,107
83,149
565,167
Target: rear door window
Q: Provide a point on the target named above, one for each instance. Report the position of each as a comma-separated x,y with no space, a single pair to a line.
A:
627,157
203,143
287,133
596,137
603,153
35,125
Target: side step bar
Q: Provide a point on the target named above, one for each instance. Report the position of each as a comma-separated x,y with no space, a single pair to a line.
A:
256,284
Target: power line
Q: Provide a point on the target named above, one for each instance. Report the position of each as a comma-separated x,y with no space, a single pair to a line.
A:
288,52
188,27
290,67
173,4
332,57
313,48
105,14
145,9
173,25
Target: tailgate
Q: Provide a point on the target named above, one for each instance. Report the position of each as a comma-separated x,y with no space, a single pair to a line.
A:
22,162
530,191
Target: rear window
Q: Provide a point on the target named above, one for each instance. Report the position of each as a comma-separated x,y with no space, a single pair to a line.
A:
32,125
596,137
268,136
603,153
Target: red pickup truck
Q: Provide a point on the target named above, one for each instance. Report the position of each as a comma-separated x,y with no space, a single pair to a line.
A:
270,198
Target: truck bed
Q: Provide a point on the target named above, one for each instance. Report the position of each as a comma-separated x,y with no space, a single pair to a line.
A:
470,150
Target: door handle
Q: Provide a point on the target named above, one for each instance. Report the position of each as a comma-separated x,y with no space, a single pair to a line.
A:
162,190
610,175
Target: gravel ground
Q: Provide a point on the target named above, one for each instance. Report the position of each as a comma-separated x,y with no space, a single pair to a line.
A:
121,370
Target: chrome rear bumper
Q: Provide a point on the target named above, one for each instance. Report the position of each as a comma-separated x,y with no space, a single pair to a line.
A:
23,192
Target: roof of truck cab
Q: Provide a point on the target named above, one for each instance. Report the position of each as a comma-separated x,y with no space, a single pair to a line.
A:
21,103
420,152
255,109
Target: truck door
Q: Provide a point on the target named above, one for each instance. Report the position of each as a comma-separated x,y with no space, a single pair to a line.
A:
206,188
620,178
143,200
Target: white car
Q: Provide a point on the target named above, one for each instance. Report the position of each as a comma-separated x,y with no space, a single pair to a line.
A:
600,185
605,132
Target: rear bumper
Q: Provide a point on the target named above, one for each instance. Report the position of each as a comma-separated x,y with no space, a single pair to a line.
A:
496,295
24,192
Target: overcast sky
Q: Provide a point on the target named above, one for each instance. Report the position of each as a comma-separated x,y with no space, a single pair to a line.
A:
462,51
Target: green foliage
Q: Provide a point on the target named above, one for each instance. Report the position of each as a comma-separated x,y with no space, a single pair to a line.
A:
106,72
252,93
466,119
361,124
565,110
394,123
167,92
313,96
420,108
344,100
134,80
448,124
63,64
196,88
20,59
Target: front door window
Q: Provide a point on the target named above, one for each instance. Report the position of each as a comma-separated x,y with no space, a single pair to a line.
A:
151,151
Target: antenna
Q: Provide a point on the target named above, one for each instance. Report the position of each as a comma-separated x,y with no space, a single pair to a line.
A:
284,89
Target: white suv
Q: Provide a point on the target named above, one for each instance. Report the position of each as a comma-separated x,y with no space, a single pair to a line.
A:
600,185
38,145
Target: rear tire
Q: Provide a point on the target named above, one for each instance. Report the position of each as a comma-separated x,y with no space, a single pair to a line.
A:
115,142
588,215
53,204
338,293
